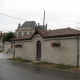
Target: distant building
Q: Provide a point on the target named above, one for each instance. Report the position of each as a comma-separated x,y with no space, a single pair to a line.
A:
28,27
1,38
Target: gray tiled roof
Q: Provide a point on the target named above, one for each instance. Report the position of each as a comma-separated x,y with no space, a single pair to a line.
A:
29,24
41,27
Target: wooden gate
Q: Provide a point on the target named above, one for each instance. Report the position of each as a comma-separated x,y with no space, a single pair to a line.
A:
38,50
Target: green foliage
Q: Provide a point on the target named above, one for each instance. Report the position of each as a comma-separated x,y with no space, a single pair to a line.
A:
45,64
1,51
41,63
62,66
8,36
20,60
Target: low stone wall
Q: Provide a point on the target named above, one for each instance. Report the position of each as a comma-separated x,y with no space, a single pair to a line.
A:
66,53
7,47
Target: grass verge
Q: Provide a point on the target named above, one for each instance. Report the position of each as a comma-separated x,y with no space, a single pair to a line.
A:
20,60
45,64
52,65
62,66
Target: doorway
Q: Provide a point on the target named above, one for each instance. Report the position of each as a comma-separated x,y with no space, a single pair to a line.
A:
38,51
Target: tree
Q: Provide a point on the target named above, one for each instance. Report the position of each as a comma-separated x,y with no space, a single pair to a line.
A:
8,36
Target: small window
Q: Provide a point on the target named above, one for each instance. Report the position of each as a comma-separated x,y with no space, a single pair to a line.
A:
19,34
25,33
30,32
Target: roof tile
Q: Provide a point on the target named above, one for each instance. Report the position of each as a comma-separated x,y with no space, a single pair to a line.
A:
51,33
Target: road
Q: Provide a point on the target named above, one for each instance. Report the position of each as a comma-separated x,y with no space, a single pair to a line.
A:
10,70
5,55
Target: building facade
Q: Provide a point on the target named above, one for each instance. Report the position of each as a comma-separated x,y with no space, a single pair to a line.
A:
56,46
27,28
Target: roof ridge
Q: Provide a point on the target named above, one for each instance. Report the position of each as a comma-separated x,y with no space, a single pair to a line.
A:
64,28
74,29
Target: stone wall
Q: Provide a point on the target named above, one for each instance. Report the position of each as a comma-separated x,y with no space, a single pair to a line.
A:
7,47
66,53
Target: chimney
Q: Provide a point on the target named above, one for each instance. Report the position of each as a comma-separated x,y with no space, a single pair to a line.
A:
46,26
1,32
19,26
38,24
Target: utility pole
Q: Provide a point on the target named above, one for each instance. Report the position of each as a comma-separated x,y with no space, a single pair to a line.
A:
44,19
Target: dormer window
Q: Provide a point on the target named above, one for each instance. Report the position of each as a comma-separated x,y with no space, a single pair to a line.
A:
19,34
25,33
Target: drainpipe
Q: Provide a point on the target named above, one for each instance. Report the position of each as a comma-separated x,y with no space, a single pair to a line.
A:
13,49
77,51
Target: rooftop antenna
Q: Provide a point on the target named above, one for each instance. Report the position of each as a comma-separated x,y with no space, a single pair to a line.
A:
44,19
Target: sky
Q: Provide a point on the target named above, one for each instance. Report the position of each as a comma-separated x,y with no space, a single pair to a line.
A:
58,13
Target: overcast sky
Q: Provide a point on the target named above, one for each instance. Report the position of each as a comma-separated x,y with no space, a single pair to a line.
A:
59,13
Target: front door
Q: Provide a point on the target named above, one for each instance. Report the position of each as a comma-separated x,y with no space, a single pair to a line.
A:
38,50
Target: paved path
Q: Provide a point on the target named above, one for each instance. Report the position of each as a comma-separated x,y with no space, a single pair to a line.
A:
5,55
10,70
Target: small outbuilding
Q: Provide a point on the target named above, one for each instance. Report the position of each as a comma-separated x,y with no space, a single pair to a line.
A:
60,46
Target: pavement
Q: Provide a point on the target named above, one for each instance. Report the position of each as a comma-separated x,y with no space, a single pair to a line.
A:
11,70
5,55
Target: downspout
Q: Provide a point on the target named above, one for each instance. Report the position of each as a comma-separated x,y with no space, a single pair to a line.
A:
13,49
77,51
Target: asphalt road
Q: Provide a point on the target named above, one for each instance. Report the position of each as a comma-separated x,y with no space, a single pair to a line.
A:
10,70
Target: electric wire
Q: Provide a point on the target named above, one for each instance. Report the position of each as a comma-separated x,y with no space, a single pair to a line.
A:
12,16
25,20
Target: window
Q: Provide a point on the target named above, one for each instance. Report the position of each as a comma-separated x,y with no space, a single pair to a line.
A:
30,32
19,34
25,33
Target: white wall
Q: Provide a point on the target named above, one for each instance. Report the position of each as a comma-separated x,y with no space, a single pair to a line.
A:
65,54
7,47
27,51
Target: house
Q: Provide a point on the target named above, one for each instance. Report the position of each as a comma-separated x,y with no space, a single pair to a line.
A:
28,27
60,46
